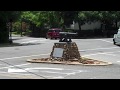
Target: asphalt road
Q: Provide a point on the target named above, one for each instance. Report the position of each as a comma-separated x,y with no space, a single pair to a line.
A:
14,65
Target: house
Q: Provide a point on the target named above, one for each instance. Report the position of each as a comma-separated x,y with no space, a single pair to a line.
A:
95,29
86,26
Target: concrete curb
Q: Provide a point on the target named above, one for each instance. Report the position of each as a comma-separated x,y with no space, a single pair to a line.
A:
101,63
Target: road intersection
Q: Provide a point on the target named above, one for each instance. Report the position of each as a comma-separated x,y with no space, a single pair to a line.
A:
13,60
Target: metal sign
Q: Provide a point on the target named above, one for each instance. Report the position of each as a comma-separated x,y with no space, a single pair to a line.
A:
58,52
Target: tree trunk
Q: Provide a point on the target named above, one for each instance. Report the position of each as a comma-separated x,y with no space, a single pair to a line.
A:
79,24
21,29
4,33
116,24
79,32
63,28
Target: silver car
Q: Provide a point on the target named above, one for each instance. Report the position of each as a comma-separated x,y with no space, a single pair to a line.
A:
116,38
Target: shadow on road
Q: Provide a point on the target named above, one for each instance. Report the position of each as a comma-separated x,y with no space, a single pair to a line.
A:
17,44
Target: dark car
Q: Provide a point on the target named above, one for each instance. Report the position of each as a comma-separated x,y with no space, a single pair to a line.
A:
53,33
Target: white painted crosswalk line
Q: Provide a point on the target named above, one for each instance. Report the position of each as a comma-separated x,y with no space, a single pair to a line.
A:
33,41
48,72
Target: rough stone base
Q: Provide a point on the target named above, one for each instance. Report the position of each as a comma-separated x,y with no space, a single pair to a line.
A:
70,50
86,61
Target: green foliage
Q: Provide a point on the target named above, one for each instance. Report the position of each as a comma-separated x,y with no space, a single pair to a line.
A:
39,20
51,19
5,17
17,27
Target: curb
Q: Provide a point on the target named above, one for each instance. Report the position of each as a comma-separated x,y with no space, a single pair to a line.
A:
101,63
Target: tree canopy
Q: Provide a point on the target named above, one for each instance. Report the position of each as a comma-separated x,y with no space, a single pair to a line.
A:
5,17
51,19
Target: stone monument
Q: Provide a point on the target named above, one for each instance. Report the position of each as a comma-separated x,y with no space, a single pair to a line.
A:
65,49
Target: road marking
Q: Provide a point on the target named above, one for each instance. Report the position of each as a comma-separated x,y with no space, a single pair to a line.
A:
105,40
31,41
31,69
93,78
15,65
18,75
16,70
23,56
110,54
53,77
72,73
100,53
45,68
61,72
99,48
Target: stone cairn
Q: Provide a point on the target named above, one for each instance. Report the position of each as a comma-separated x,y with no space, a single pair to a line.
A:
70,51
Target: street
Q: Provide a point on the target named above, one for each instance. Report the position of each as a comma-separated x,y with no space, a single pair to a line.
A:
14,65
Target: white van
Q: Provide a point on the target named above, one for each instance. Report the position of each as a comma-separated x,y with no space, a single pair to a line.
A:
116,38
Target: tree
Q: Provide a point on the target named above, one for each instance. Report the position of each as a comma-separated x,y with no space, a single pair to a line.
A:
85,16
67,17
41,19
5,17
38,20
109,20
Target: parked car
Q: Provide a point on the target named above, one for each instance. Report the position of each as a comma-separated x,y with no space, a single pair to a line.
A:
116,38
53,33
